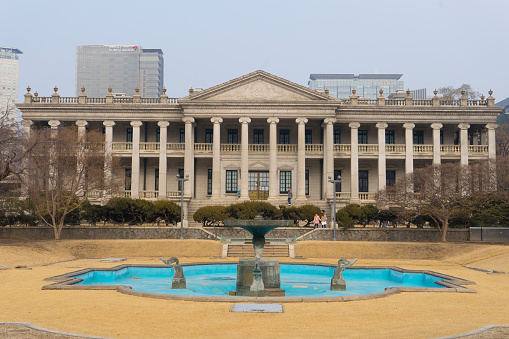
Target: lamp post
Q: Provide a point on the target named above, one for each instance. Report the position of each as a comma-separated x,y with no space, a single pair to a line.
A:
181,181
335,182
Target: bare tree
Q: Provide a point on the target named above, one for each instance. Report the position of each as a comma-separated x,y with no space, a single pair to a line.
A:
59,169
502,140
452,93
436,191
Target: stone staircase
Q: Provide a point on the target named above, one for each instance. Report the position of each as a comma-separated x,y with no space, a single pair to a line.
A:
247,251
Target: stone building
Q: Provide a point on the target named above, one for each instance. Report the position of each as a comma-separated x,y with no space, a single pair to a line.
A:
255,136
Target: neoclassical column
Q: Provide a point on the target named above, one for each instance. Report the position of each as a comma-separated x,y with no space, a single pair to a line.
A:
108,153
163,157
382,168
273,186
52,171
464,143
244,159
135,160
216,158
324,161
80,166
27,133
436,143
409,147
354,161
301,158
492,149
330,155
189,157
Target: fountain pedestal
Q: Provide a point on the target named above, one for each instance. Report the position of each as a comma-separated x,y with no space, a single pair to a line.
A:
270,271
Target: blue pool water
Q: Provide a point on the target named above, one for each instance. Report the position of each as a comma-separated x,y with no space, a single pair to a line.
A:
296,280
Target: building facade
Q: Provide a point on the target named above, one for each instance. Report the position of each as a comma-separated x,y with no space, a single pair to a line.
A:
367,86
9,68
123,67
256,136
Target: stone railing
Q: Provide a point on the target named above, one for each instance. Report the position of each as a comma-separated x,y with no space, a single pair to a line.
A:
314,148
175,146
176,194
230,147
343,195
149,194
203,147
287,148
366,148
422,102
149,146
121,194
423,148
478,149
259,147
122,146
393,102
393,148
450,149
366,196
342,148
95,100
477,102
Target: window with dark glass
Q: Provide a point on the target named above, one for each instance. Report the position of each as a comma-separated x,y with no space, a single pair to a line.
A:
418,137
337,136
129,134
181,175
285,181
209,136
338,185
390,178
156,180
209,181
127,179
306,184
441,137
389,137
258,136
308,140
231,181
362,136
158,135
363,181
284,136
182,136
233,136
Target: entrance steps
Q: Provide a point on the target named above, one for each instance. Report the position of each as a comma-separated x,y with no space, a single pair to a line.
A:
247,251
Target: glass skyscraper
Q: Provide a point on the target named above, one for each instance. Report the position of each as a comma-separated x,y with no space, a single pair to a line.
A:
340,86
123,67
9,67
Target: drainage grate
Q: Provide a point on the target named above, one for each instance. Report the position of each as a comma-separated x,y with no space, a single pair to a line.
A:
258,308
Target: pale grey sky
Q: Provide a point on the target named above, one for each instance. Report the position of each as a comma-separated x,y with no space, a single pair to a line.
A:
433,43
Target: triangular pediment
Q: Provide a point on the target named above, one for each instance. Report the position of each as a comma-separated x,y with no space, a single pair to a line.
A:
258,86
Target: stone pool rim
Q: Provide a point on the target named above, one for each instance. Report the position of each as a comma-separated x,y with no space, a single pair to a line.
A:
67,281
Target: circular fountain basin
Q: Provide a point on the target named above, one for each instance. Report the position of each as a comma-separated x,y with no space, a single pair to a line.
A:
298,280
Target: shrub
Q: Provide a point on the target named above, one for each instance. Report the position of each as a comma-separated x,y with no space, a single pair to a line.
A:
168,211
210,215
307,213
349,215
250,209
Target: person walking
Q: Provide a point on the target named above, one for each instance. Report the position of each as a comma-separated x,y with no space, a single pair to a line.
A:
290,196
316,220
324,219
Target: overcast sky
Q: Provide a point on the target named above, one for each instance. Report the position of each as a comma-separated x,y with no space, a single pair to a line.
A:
433,43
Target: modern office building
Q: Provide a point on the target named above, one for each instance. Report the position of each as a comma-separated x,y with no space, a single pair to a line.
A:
9,67
367,86
121,67
262,135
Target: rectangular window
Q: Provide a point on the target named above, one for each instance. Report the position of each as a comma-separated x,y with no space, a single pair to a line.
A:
390,178
284,136
209,136
181,174
418,137
306,184
363,181
209,181
129,134
362,136
158,135
258,136
308,140
233,136
337,136
441,137
156,180
389,137
285,181
182,136
338,185
127,179
231,181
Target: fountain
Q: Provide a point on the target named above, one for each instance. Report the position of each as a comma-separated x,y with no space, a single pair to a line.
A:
258,276
337,282
178,281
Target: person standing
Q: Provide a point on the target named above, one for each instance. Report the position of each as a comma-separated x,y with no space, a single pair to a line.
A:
324,219
290,196
316,220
